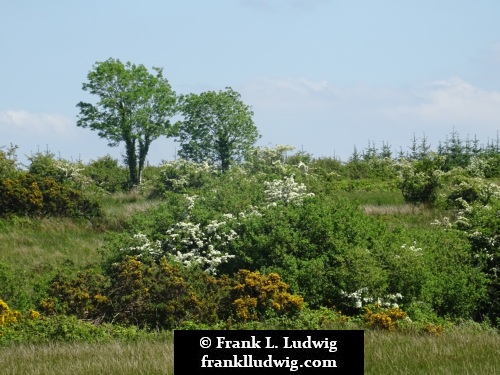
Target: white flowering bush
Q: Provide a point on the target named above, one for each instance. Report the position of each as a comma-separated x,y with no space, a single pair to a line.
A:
481,224
269,160
470,190
477,167
420,180
363,297
413,248
196,245
286,190
181,174
73,172
141,246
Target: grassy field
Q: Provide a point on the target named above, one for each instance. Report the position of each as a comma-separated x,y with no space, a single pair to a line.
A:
143,357
462,351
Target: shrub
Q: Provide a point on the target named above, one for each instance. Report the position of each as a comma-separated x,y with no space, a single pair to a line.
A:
305,244
470,190
107,174
182,175
7,316
383,318
32,195
420,180
8,162
481,226
256,296
151,294
81,296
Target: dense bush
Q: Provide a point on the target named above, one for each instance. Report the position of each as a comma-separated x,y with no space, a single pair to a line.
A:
33,195
8,162
480,223
256,296
420,180
164,295
107,174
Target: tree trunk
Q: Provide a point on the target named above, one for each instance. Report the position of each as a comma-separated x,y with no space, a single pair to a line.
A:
131,160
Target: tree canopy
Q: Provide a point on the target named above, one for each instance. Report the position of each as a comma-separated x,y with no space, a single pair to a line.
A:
134,107
217,126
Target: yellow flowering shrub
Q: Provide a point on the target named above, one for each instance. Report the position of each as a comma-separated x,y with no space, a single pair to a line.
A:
383,318
255,295
33,195
433,329
8,316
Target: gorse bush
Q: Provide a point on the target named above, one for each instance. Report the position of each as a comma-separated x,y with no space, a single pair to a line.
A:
257,296
383,318
166,295
7,316
32,195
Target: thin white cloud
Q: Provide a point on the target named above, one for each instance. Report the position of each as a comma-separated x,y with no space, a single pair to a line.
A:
35,123
452,101
448,101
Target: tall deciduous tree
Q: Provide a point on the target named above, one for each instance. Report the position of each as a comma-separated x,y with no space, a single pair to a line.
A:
217,126
134,107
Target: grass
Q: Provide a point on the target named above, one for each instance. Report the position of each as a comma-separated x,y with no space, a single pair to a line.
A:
35,249
459,351
117,357
452,353
119,207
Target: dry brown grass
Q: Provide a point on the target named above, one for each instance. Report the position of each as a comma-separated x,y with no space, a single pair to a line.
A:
405,209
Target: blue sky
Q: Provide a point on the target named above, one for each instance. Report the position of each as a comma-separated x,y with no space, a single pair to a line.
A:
321,75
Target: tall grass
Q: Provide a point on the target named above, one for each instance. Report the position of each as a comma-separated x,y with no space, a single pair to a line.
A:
34,250
459,351
120,358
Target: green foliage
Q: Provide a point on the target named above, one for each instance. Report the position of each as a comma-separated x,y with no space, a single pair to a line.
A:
11,289
419,180
481,224
251,247
183,175
44,164
8,162
35,329
107,174
134,107
32,195
463,188
217,127
304,244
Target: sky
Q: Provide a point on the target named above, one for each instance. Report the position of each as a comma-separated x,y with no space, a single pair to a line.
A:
324,76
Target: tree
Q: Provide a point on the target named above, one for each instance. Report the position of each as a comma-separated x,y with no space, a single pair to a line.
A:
134,107
216,127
